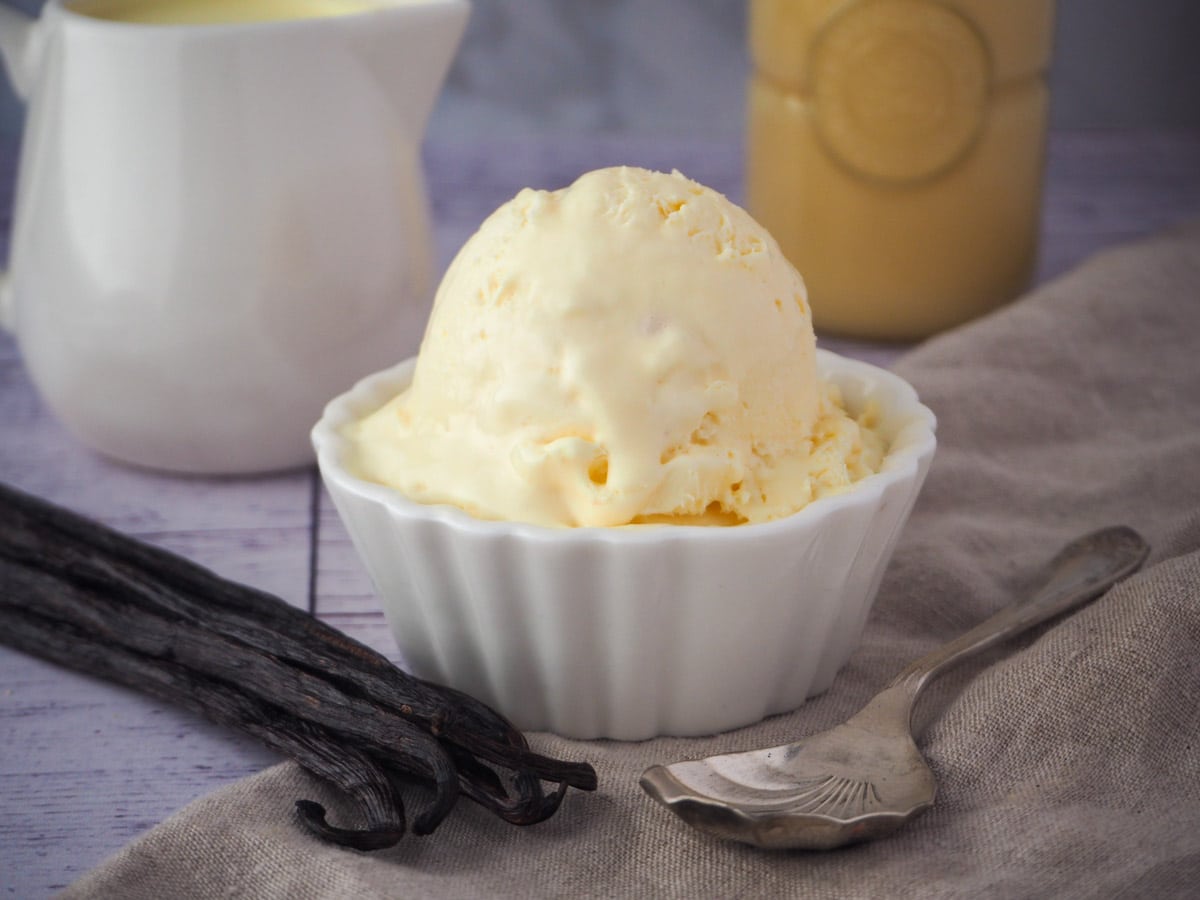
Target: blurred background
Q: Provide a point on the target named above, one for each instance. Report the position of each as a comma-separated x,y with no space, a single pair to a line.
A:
677,67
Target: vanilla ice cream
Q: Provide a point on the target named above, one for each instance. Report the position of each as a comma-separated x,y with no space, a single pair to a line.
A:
633,348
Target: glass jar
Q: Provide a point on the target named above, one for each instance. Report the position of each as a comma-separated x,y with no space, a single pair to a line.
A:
896,150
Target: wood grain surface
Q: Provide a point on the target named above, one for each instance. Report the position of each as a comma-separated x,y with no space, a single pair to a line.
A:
85,767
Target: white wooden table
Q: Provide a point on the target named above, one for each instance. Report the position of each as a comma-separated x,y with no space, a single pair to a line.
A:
85,767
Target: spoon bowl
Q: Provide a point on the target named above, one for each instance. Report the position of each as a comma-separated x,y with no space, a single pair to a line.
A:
809,794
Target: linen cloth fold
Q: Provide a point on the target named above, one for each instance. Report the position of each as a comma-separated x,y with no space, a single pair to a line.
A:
1068,765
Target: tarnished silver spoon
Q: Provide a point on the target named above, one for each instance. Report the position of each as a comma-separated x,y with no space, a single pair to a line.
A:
866,777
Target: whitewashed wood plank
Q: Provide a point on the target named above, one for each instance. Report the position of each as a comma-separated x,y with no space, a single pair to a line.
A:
86,766
1105,189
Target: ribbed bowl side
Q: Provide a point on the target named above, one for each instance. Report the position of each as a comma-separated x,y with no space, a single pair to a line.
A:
631,640
632,633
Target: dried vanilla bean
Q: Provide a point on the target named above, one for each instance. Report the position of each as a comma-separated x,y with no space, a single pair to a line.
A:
87,597
52,536
376,799
55,538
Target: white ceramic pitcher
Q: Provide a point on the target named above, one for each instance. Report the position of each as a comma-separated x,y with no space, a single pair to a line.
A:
219,227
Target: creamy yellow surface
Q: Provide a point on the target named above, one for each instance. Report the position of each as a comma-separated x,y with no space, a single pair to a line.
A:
199,12
895,151
632,348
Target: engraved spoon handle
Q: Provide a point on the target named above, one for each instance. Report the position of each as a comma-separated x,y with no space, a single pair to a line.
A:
1082,571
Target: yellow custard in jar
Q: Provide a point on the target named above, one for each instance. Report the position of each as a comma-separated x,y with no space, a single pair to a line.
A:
896,150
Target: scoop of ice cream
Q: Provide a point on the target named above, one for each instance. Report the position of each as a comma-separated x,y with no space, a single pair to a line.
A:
631,348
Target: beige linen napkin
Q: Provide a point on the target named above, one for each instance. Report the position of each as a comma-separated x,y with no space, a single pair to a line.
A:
1068,768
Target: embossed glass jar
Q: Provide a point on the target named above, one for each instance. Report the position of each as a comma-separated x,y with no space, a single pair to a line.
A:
896,150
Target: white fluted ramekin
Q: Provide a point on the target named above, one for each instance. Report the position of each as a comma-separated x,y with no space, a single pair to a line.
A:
630,633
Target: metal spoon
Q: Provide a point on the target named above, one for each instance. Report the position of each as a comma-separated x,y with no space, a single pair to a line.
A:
866,777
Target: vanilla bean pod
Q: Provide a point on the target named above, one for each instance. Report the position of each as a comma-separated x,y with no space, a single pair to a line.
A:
371,790
303,688
56,539
257,674
55,551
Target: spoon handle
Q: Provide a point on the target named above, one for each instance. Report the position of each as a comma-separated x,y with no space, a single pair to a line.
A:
1082,571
